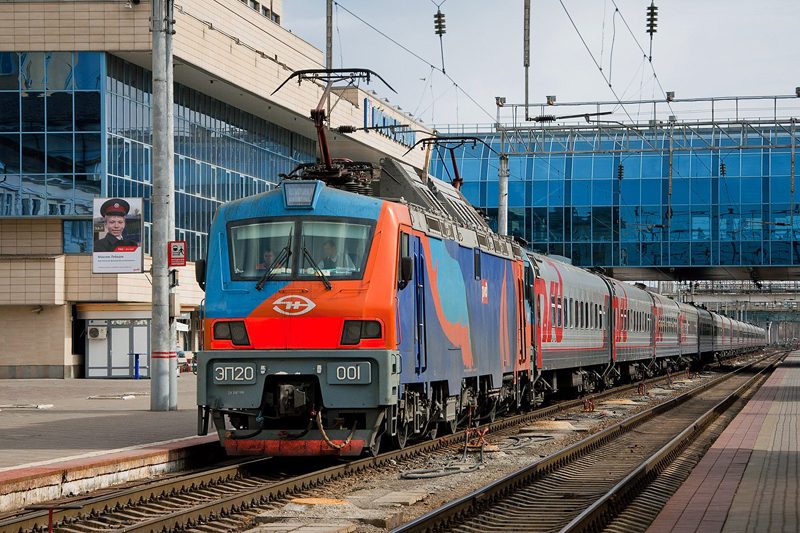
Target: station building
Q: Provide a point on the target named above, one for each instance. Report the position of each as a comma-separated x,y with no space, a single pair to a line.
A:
75,124
657,200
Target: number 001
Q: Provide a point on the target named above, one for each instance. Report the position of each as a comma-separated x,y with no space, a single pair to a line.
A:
349,373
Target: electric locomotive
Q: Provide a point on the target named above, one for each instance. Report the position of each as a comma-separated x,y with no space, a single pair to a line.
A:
375,318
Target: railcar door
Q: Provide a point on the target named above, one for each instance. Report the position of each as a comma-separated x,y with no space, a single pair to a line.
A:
420,345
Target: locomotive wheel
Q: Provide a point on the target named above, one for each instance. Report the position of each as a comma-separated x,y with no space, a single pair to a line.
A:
401,438
448,428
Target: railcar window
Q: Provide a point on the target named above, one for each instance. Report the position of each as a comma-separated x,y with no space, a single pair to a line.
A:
586,313
553,309
596,316
558,312
255,246
338,248
576,314
477,262
601,318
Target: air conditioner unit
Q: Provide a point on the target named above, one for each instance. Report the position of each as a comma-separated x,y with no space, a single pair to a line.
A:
97,333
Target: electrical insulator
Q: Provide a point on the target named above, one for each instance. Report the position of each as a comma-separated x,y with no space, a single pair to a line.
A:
620,171
438,23
722,169
652,19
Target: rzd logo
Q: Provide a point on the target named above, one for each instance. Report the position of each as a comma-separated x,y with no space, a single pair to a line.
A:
293,305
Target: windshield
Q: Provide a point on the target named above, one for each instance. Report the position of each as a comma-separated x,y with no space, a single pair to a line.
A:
254,248
339,249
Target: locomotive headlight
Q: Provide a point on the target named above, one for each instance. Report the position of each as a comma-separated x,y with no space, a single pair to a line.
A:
352,332
370,329
355,330
239,334
234,331
222,331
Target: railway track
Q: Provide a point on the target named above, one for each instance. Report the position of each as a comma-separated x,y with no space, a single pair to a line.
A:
586,485
225,498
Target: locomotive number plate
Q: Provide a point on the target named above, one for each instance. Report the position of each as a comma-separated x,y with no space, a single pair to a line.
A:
349,373
234,373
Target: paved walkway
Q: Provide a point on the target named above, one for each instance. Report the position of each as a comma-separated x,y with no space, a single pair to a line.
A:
78,426
747,482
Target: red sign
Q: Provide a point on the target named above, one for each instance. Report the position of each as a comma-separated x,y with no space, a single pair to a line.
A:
177,253
484,291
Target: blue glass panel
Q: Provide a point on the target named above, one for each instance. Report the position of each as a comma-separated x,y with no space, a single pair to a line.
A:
701,164
538,225
729,253
87,111
700,190
581,192
629,254
781,254
492,194
471,169
780,216
516,193
555,195
581,224
701,223
601,193
601,224
516,222
471,191
679,224
9,71
33,153
87,187
780,163
629,226
540,193
87,70
604,167
582,167
87,153
33,111
752,253
59,194
59,71
680,190
77,236
651,166
9,153
31,74
651,254
555,223
780,189
751,163
59,111
751,190
701,253
602,254
651,191
59,153
729,190
582,255
629,192
679,254
9,111
33,195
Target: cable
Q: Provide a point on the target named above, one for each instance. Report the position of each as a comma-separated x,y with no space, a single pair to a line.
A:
596,64
613,40
381,33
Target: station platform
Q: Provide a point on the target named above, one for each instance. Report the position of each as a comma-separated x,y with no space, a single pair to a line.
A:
61,437
748,480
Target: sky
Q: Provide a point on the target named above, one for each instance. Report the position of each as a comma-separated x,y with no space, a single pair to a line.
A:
702,49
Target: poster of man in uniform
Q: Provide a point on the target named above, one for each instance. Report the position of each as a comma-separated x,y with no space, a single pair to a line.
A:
117,227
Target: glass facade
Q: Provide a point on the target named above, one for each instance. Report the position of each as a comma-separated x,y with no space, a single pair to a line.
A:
725,205
74,126
50,133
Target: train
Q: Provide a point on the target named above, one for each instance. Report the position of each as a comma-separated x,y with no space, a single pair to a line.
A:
360,304
340,315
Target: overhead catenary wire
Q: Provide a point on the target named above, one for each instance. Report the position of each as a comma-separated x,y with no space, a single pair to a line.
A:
419,57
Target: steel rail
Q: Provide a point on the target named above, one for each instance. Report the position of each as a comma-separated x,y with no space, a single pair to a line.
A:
484,496
268,491
611,503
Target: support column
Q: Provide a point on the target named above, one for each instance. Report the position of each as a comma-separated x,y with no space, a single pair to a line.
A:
173,332
161,346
